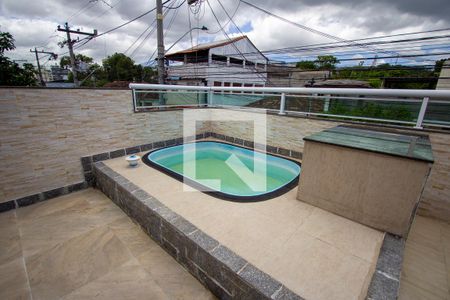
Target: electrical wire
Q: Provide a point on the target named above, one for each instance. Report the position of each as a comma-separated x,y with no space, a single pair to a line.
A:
312,30
175,7
225,33
229,20
153,30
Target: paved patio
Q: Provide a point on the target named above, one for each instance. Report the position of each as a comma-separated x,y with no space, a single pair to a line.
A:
82,246
426,264
314,253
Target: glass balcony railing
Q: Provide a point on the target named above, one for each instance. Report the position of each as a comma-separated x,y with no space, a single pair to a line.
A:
416,108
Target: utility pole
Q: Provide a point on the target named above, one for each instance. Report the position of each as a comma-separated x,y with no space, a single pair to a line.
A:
160,37
53,55
70,44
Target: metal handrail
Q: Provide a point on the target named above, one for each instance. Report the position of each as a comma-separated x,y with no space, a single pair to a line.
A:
441,94
418,96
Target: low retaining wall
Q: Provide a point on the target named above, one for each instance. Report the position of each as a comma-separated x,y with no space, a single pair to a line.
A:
225,273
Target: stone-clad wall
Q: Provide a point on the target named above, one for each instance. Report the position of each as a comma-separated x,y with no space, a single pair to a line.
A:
45,132
282,131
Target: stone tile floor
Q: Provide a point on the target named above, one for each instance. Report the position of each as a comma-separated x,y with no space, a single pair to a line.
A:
314,253
82,246
426,264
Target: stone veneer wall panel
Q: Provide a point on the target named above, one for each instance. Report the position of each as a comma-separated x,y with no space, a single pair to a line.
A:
44,132
282,131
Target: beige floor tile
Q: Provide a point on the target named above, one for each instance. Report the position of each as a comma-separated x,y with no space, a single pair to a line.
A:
129,281
350,237
252,236
73,263
44,208
425,269
13,280
86,248
176,282
317,270
162,185
424,231
284,209
410,291
10,247
425,272
133,237
445,230
44,232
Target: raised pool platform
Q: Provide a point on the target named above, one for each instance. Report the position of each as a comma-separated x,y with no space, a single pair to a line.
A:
280,248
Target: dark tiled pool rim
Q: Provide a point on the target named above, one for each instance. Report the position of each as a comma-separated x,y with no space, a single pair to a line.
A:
218,194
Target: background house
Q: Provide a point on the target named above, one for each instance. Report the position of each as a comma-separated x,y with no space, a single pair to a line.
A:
233,62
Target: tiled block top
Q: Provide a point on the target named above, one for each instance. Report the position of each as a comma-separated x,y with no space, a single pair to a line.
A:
408,146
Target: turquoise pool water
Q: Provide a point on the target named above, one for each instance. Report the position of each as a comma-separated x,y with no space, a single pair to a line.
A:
226,169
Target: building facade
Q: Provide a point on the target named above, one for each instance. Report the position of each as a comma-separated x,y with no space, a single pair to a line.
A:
234,62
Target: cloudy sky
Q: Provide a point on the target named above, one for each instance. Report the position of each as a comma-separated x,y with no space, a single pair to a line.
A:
33,23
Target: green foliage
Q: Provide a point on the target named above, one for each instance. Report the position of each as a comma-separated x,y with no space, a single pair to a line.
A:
326,62
323,62
64,62
6,42
306,65
374,75
11,74
122,68
372,110
438,65
119,67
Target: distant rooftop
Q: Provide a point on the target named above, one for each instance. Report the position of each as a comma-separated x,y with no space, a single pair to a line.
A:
207,46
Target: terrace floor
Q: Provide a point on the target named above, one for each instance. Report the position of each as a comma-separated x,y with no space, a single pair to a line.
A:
314,253
82,246
426,261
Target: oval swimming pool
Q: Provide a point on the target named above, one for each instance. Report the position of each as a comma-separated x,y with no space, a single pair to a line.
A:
227,171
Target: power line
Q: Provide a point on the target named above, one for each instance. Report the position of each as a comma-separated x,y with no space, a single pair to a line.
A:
224,32
312,30
146,29
89,4
166,12
363,39
229,20
130,21
175,7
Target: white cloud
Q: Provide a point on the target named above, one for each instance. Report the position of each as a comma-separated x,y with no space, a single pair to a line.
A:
33,23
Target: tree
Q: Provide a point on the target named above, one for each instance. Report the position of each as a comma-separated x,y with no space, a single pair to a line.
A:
306,65
11,74
6,42
120,67
65,60
438,65
326,62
